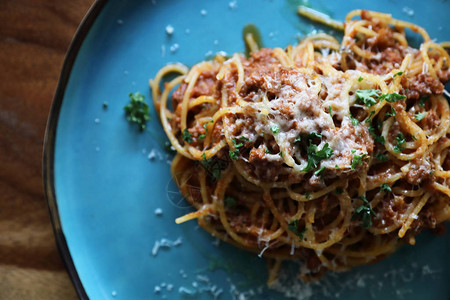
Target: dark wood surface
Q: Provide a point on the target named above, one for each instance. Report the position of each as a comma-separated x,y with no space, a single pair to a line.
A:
34,37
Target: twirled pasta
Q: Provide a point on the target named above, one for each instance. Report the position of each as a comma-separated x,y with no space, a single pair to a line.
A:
332,153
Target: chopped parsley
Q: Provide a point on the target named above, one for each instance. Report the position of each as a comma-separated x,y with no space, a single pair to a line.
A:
401,141
314,135
230,202
213,166
275,129
330,111
397,74
293,226
420,116
298,139
423,99
357,159
234,154
385,188
353,120
186,136
360,79
307,195
377,138
369,118
367,97
319,171
202,136
316,156
137,111
392,97
381,157
266,150
364,213
281,153
391,114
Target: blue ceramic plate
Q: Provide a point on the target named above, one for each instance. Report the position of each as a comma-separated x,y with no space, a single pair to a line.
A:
110,193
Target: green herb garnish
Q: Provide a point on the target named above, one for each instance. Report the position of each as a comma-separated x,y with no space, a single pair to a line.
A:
137,111
186,136
401,141
353,120
213,166
372,129
314,135
367,97
293,226
234,154
381,157
364,213
420,116
392,97
385,188
397,74
319,171
357,159
360,79
423,99
316,156
391,114
369,118
275,129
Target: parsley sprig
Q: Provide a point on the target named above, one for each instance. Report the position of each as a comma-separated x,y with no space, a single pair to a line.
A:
370,97
137,111
186,136
234,154
293,226
367,97
214,166
401,141
316,156
357,159
364,213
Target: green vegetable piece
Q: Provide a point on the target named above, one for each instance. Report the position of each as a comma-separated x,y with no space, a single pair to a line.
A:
186,136
137,111
357,160
364,213
367,97
385,188
381,157
392,97
354,121
401,141
316,156
420,116
293,226
275,129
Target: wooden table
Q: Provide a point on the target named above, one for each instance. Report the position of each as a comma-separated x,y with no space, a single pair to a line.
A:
34,37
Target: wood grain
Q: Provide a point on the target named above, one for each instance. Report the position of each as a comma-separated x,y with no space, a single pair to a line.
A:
34,37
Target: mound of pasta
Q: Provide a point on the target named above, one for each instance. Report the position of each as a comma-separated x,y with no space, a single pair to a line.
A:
330,153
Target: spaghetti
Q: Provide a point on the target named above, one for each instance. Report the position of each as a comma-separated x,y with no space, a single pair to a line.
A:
326,152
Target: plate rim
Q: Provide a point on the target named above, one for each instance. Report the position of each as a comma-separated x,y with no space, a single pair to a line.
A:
48,157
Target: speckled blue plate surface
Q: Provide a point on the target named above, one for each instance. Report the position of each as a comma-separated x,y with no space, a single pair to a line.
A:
110,193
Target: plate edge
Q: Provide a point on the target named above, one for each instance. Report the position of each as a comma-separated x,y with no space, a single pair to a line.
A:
50,138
